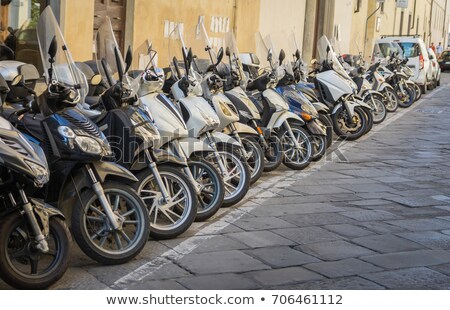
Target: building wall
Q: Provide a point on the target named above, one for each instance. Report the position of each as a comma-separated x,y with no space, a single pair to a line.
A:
281,21
77,21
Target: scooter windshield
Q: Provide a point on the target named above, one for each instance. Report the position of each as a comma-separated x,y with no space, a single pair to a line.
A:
145,57
109,58
177,51
294,47
64,69
287,63
231,44
328,56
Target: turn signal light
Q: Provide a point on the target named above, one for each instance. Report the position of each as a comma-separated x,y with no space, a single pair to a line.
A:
306,116
259,130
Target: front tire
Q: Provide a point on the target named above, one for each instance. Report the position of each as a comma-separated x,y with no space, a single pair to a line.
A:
172,218
391,100
379,113
273,156
18,258
212,190
93,232
293,158
406,99
319,146
328,122
255,158
418,91
347,128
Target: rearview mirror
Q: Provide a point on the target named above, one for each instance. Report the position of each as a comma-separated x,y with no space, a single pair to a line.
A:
53,48
297,54
282,56
328,49
269,55
118,63
219,56
190,57
11,30
17,80
128,59
227,52
96,80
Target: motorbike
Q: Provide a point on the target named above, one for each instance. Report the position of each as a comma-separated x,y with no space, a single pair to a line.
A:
202,122
129,127
108,219
34,239
274,110
234,82
204,176
212,85
351,116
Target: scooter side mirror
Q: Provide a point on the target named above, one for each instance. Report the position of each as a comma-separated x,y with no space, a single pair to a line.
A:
297,54
282,56
269,55
53,48
328,49
219,56
17,80
227,52
11,30
128,59
96,80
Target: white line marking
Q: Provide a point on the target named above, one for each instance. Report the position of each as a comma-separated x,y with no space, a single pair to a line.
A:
232,216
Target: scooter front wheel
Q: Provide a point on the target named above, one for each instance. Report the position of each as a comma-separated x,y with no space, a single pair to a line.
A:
94,232
24,267
172,216
391,100
255,158
296,158
349,128
273,155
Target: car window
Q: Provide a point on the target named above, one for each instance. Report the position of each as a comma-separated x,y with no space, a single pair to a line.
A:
385,49
410,49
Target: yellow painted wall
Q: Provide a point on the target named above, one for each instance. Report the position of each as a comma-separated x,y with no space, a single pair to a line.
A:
77,19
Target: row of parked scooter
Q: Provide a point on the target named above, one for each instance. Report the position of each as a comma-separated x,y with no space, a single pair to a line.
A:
120,149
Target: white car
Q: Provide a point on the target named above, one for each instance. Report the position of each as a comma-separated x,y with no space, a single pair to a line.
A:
435,68
415,50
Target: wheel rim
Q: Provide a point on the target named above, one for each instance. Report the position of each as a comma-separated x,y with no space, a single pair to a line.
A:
318,144
392,100
380,111
253,160
99,230
347,125
171,215
27,261
234,178
293,155
273,153
209,193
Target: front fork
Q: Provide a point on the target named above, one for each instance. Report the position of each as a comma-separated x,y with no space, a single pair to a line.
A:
219,160
235,135
291,134
262,139
176,148
41,242
114,220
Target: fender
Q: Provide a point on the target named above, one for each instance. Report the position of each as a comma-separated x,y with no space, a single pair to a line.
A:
409,82
385,85
110,169
317,128
319,106
277,122
160,157
350,106
371,92
193,145
241,129
44,212
221,138
402,75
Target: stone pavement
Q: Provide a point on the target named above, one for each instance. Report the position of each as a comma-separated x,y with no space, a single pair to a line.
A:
380,219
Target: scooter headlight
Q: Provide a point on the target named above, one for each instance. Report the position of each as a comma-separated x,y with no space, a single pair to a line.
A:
88,145
66,132
40,173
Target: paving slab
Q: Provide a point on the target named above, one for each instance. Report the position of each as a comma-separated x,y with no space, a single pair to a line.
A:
415,201
278,257
219,282
220,262
409,259
319,219
419,278
370,215
156,285
430,239
348,230
334,250
257,239
422,224
307,235
262,223
342,268
347,283
387,243
283,276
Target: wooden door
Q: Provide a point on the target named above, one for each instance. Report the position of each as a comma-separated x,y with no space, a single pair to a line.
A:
116,10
